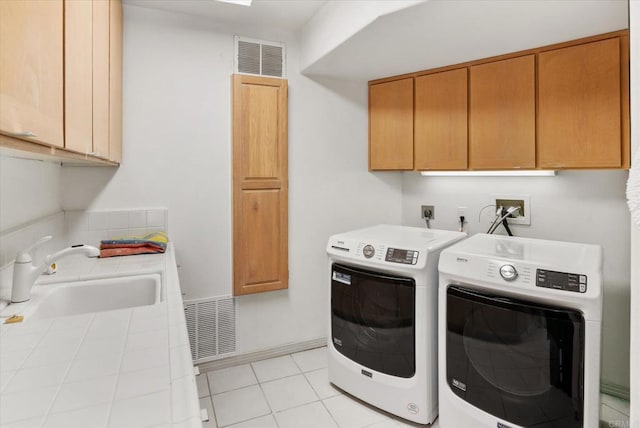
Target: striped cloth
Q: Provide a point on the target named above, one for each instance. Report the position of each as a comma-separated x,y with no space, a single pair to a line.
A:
151,243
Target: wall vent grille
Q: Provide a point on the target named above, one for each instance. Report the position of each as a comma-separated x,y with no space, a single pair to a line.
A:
211,324
259,57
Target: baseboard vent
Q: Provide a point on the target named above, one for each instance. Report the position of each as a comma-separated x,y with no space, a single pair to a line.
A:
259,57
211,324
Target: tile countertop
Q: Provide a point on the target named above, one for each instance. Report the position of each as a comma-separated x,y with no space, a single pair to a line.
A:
123,368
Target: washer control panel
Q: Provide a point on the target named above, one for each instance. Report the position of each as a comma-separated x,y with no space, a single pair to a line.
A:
561,280
396,255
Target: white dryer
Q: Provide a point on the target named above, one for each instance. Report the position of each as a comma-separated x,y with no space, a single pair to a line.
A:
519,333
382,336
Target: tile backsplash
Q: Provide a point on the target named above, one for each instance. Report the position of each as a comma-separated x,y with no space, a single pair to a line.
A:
71,228
90,227
21,237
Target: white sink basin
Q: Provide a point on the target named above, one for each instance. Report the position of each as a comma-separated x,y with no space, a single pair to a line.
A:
97,295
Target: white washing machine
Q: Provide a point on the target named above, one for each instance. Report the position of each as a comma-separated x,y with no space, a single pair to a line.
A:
519,333
382,336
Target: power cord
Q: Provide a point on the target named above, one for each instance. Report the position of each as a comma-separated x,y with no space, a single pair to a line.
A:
461,228
499,219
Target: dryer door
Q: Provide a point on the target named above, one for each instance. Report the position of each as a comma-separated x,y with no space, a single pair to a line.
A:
373,319
516,360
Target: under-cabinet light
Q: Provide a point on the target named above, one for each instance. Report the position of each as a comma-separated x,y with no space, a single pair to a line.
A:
520,173
238,2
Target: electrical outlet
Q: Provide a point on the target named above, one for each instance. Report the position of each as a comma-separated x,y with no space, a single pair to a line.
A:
523,215
428,212
461,211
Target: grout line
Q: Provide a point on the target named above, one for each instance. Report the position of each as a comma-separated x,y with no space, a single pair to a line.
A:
273,413
124,351
73,359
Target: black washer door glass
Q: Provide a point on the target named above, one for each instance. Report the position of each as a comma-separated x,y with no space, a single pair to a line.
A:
516,360
373,319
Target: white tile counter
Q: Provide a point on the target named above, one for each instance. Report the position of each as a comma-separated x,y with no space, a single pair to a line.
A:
123,368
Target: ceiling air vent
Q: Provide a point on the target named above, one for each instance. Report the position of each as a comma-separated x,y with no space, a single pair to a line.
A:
259,57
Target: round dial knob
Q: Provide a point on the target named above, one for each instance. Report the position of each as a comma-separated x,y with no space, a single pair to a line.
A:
508,272
368,251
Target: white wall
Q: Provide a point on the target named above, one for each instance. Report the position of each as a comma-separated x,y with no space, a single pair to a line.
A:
29,189
339,20
574,206
634,15
177,154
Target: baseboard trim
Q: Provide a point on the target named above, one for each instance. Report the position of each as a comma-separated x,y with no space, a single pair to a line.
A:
615,390
263,354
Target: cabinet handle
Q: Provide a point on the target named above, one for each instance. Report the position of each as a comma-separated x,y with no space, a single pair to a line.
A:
20,134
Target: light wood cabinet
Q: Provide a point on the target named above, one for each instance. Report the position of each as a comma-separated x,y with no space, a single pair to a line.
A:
31,70
580,102
391,125
115,80
440,140
78,75
260,184
502,114
562,106
100,88
75,111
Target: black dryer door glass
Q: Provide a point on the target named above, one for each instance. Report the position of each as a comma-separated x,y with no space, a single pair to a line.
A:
372,319
516,360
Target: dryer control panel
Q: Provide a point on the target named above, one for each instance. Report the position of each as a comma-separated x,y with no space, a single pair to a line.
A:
561,280
396,255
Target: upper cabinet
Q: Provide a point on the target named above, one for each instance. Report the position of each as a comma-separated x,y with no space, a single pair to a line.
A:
555,107
580,95
31,70
441,121
61,79
260,184
502,114
391,125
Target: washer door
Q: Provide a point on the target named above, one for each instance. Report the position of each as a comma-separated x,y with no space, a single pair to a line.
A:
373,319
516,360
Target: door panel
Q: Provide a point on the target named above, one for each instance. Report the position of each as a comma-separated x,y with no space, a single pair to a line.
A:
31,69
516,360
101,78
502,114
391,125
78,75
441,121
260,184
580,101
373,319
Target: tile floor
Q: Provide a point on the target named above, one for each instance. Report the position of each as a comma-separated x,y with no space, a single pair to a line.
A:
293,391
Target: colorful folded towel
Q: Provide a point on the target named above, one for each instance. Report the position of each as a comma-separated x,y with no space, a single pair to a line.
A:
154,242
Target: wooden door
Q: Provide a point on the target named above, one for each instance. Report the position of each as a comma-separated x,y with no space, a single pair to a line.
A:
391,125
31,70
101,61
78,75
440,140
502,114
260,184
115,80
579,90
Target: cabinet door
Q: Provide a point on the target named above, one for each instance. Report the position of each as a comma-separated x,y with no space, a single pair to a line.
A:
101,78
441,121
31,71
260,184
391,125
115,80
78,75
579,97
502,114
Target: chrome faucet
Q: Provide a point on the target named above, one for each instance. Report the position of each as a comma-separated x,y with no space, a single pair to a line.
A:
25,273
